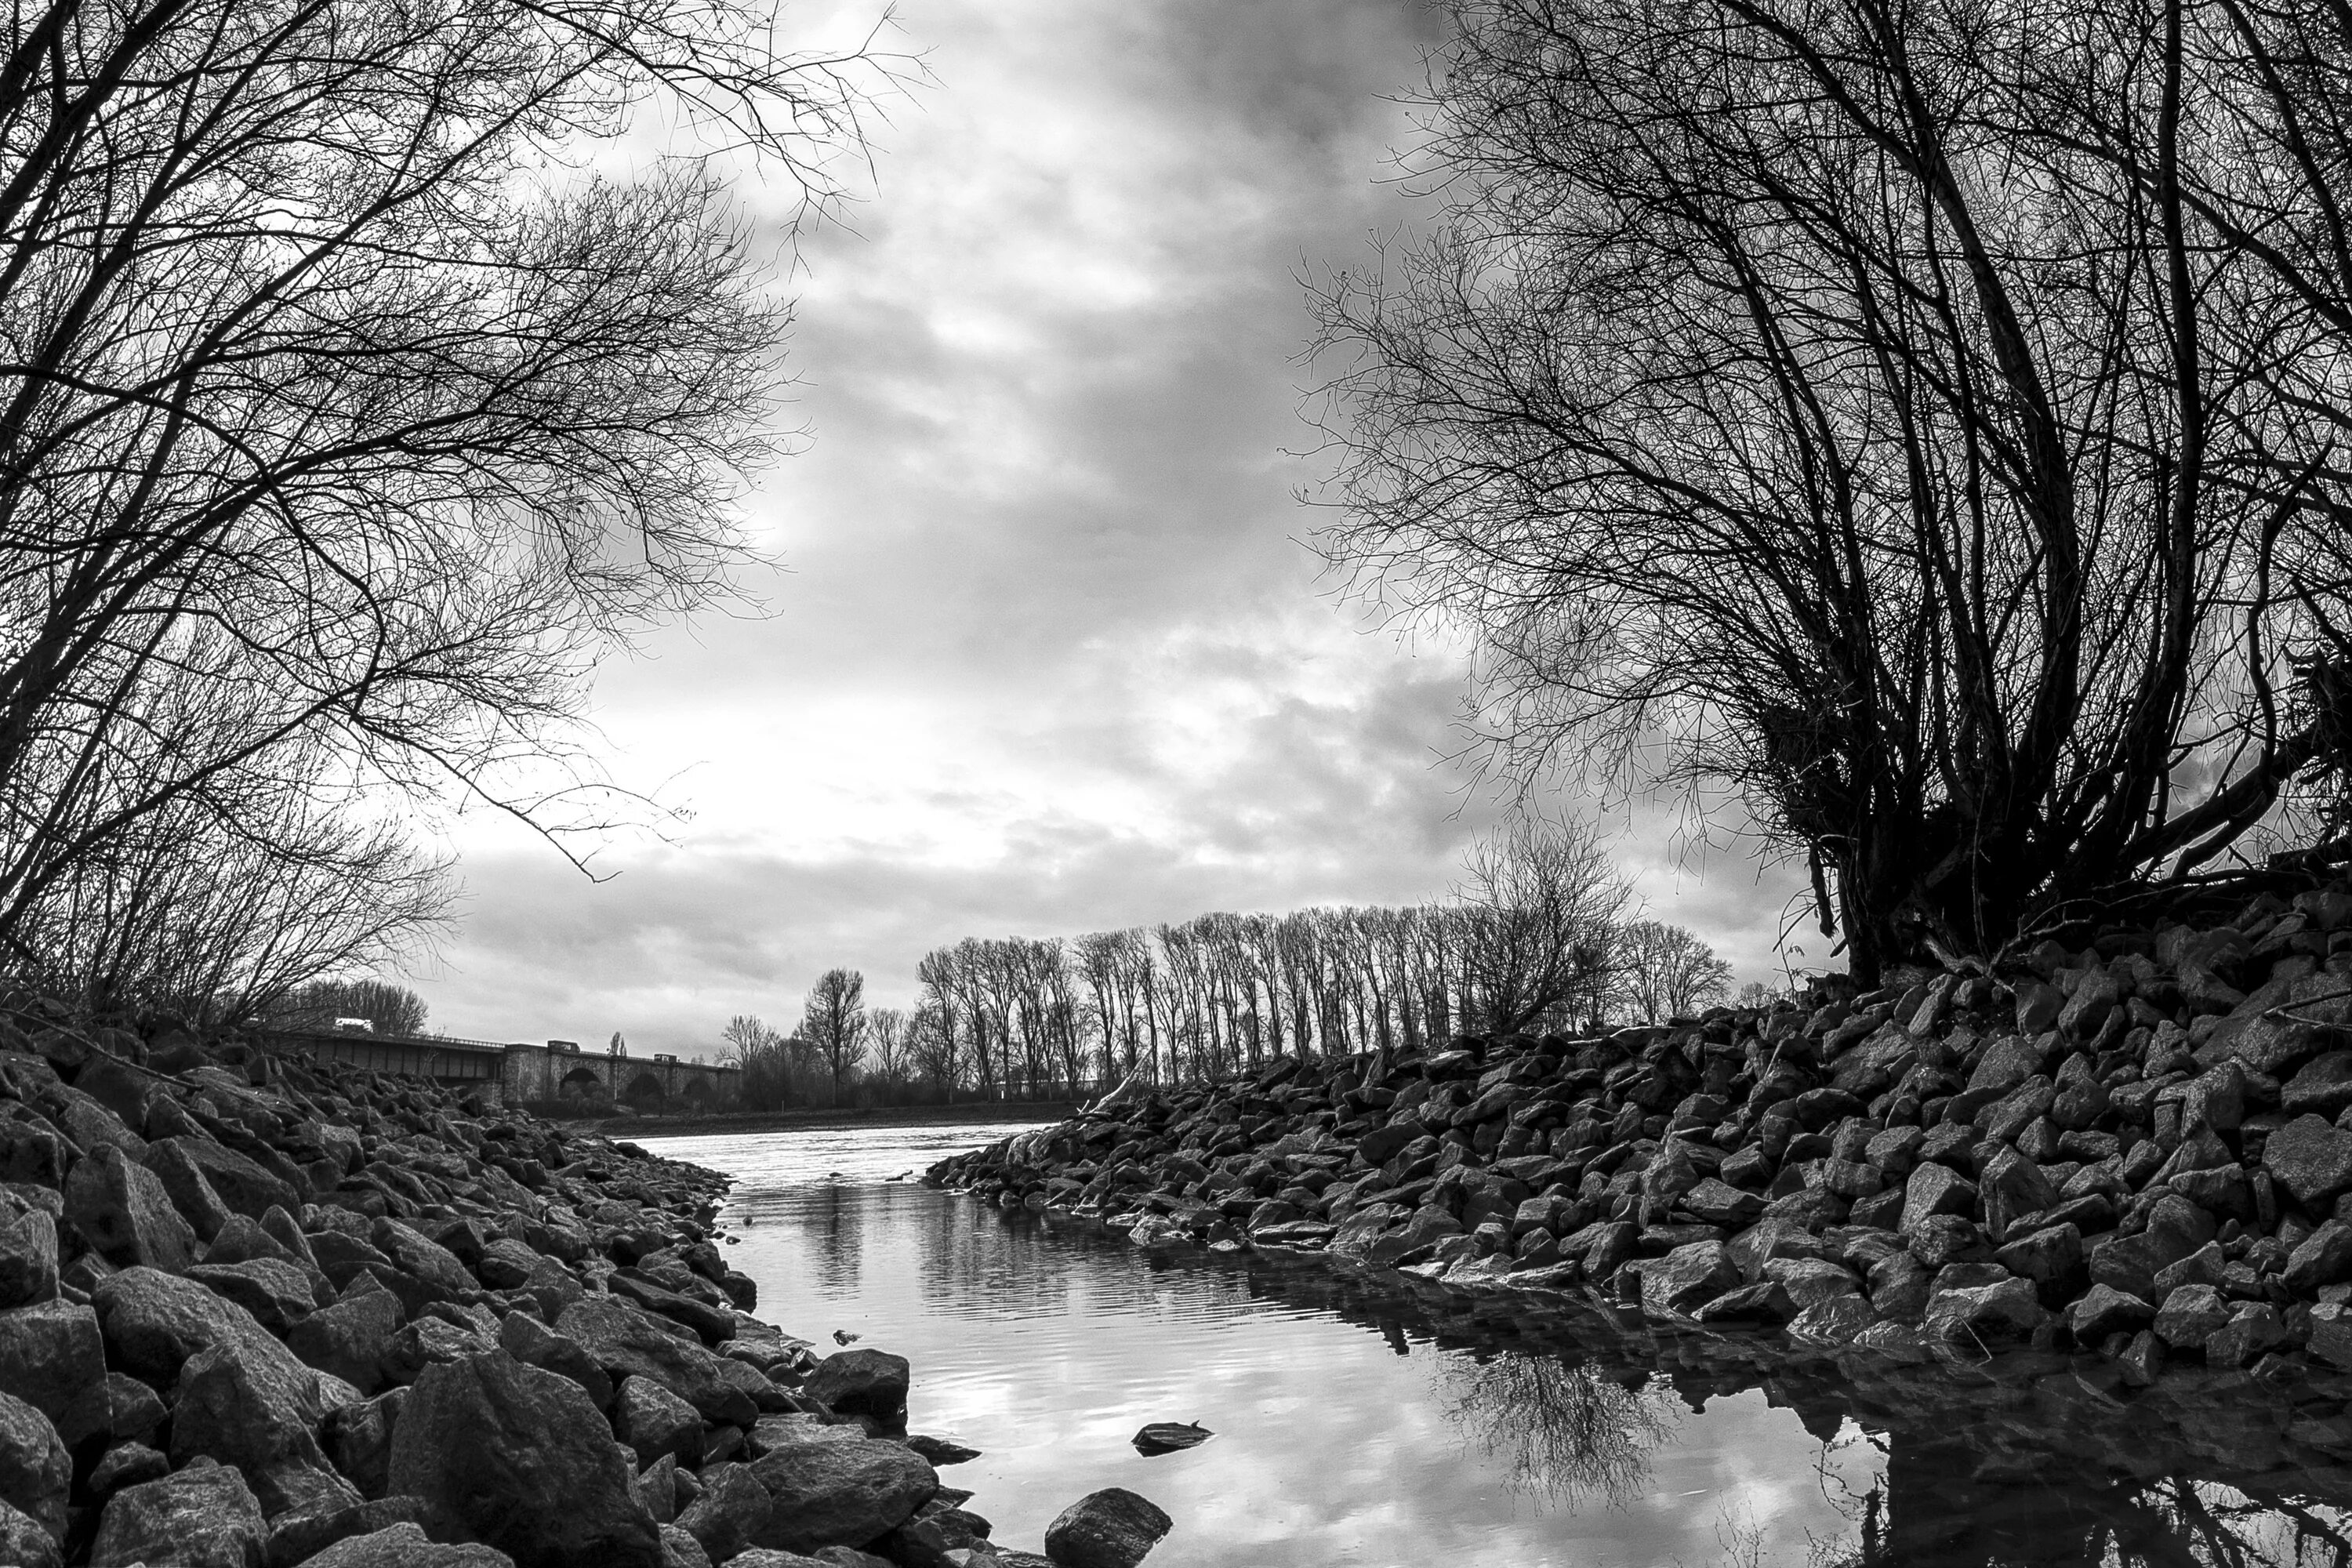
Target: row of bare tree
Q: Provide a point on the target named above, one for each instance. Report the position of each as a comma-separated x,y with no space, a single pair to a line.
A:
1531,941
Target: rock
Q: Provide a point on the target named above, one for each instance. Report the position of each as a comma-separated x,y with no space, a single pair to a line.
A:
260,1414
301,1536
35,1470
624,1343
1110,1529
2052,1259
942,1450
518,1458
404,1545
2103,1310
1713,1202
2190,1315
28,1261
52,1357
190,1193
202,1517
277,1294
652,1420
1687,1278
862,1382
24,1544
2331,1334
1808,1280
2006,1063
2013,1187
2311,1158
242,1183
1933,1189
680,1550
127,1465
1161,1437
733,1507
422,1270
2253,1328
1831,1323
2007,1308
2176,1229
533,1343
1898,1287
155,1322
429,1341
349,1339
2324,1257
126,1214
833,1492
2321,1087
357,1439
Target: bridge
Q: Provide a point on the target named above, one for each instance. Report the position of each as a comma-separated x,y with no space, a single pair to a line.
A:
520,1072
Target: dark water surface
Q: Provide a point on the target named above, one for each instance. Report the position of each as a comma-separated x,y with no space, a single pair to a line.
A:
1378,1421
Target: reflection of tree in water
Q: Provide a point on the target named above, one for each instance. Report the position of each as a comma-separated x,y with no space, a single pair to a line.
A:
1567,1429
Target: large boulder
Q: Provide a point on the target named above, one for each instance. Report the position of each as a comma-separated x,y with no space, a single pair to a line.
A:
52,1358
521,1459
2190,1315
123,1211
202,1517
259,1414
1934,1189
533,1343
358,1439
1113,1528
862,1382
626,1342
833,1491
155,1322
35,1470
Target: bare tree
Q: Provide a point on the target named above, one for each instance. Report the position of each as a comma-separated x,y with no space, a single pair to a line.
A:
343,410
1536,909
1928,422
888,1050
389,1009
1664,971
833,1023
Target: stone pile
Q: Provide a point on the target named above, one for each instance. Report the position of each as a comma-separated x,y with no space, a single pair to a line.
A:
2141,1149
257,1312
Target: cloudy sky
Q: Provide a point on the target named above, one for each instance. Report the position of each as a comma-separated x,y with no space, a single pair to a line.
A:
1045,654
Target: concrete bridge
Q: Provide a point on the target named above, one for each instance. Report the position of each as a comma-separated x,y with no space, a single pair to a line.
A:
514,1073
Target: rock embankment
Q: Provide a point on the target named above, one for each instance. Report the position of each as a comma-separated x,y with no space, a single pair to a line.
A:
256,1312
2141,1149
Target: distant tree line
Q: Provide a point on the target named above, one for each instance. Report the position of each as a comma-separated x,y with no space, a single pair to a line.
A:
1530,942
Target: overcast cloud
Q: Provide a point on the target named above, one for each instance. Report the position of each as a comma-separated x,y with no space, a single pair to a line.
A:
1045,655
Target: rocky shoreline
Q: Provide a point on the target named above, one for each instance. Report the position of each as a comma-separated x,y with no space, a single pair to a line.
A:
258,1311
2139,1151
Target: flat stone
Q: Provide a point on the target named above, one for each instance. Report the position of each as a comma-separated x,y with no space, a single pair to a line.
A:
277,1294
301,1536
1834,1322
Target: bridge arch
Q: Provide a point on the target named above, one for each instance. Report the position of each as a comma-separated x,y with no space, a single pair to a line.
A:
646,1092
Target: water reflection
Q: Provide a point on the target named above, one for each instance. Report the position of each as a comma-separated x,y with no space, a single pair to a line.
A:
1563,1430
1375,1420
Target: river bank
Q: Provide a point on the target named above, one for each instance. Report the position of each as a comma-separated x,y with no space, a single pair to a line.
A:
257,1310
2131,1154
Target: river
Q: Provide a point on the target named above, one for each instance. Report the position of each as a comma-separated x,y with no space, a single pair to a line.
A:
1367,1424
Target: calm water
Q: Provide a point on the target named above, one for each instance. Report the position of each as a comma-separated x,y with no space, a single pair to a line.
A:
1375,1424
